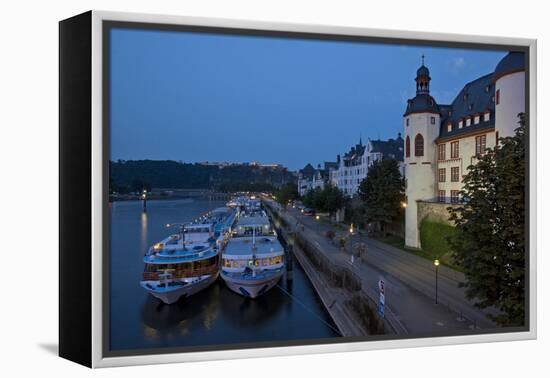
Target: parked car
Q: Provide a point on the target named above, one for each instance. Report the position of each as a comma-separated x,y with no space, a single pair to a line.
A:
309,212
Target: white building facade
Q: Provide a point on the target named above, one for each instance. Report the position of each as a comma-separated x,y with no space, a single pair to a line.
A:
353,166
441,141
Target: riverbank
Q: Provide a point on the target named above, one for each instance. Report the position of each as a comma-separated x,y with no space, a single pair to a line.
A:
336,284
409,282
173,194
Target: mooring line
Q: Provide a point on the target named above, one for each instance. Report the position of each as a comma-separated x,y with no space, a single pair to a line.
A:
308,309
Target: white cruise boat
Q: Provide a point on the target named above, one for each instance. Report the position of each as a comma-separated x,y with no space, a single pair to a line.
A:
253,259
188,262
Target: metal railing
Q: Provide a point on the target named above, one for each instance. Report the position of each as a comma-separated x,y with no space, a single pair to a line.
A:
184,273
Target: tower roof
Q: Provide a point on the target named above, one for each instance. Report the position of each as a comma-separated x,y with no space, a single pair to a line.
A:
423,71
422,103
513,62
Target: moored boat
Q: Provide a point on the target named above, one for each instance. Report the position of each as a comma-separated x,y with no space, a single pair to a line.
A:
185,263
253,259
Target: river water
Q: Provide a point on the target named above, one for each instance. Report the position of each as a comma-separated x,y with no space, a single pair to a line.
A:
289,312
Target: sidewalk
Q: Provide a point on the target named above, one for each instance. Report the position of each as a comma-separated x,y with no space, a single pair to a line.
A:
413,308
414,271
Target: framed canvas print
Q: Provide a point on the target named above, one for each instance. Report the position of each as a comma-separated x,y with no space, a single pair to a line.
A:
235,188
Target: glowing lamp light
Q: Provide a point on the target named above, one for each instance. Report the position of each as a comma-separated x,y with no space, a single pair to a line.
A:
436,262
403,205
317,217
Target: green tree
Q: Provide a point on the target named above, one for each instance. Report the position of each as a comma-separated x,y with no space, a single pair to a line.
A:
286,194
490,240
329,199
334,199
382,192
319,200
308,198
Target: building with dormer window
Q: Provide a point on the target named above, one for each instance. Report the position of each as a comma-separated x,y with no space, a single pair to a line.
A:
441,141
353,166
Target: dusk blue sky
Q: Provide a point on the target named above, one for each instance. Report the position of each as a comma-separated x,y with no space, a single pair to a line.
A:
211,97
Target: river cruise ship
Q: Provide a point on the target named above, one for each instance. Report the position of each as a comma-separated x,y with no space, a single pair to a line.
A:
253,259
187,262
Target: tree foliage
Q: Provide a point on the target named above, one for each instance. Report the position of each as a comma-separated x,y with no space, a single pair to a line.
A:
490,240
172,174
286,194
329,199
382,192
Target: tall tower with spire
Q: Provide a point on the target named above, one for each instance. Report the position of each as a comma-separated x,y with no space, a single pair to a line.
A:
421,123
423,79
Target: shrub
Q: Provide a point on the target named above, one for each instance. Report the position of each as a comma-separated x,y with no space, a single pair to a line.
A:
330,234
434,239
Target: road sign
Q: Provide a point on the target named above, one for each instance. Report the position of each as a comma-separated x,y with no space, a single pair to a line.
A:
381,285
382,297
381,309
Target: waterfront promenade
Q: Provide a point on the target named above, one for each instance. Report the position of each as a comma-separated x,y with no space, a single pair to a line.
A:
409,282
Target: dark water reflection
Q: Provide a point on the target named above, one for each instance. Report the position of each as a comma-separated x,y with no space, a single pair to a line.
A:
213,316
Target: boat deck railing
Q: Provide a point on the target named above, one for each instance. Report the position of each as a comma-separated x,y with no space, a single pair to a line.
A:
249,274
184,273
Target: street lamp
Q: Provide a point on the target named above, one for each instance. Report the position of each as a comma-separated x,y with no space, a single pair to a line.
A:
317,217
403,204
351,243
144,199
436,263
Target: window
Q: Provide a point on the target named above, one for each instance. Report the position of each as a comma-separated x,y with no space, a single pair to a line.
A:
441,151
450,127
470,106
408,147
432,120
454,196
498,97
407,122
476,119
496,138
454,150
460,124
468,121
486,116
487,88
441,174
419,145
441,195
481,142
455,175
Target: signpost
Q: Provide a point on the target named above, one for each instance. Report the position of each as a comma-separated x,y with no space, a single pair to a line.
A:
382,298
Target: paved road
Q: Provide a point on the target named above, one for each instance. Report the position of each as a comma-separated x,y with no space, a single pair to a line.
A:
410,283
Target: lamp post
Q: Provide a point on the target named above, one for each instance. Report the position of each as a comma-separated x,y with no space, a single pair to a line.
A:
144,199
436,263
351,242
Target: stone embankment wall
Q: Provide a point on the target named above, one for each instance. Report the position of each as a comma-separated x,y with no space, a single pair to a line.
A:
338,276
434,211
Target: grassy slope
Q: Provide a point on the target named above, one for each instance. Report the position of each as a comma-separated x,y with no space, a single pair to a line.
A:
433,237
